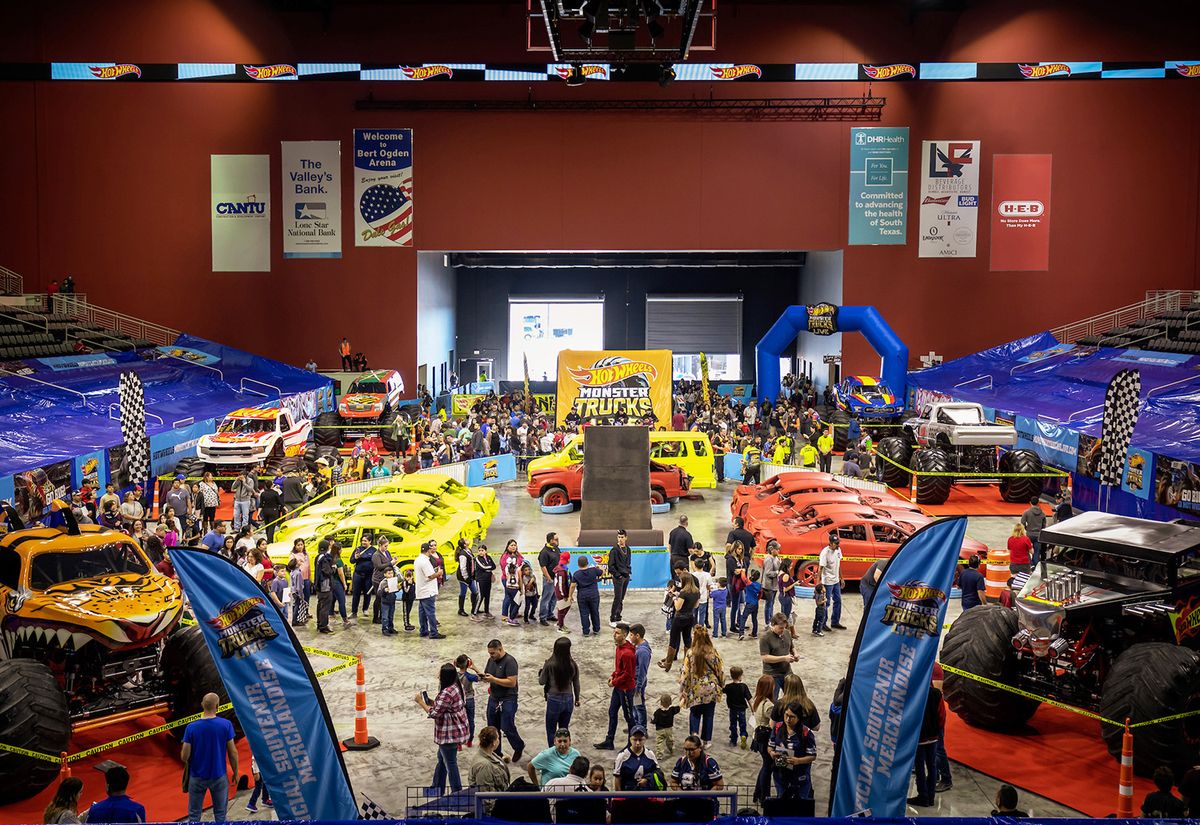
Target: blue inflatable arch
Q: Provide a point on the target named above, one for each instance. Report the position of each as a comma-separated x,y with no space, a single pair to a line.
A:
825,319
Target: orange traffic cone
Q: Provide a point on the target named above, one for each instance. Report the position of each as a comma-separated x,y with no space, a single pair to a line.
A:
1125,788
361,741
65,770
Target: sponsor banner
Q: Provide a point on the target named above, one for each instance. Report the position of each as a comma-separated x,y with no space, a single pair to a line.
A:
1157,359
739,391
491,469
461,403
33,490
1021,213
1176,483
888,681
1042,354
949,205
1137,473
1053,443
274,692
169,446
822,318
602,385
1088,463
61,363
878,185
312,199
89,469
188,354
383,187
241,213
922,396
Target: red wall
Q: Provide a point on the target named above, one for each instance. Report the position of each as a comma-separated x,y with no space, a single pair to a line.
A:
111,183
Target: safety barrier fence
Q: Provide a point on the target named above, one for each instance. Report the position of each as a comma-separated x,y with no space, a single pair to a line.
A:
697,805
76,306
10,282
1156,303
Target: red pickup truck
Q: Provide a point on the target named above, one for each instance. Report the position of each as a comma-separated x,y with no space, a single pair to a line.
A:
556,486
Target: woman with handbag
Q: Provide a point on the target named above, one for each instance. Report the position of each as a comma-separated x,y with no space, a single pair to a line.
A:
735,566
701,682
761,706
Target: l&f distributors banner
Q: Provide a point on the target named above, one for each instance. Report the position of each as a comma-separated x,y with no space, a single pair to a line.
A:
949,198
312,199
241,213
1021,213
878,185
603,385
383,187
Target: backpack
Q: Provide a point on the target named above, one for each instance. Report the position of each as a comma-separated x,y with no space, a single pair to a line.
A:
836,711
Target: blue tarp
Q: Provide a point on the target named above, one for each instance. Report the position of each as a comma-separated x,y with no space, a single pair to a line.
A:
43,425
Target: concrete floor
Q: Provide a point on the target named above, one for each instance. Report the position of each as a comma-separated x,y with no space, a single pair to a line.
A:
398,667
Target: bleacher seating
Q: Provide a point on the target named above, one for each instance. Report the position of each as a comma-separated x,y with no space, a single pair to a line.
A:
1177,331
29,334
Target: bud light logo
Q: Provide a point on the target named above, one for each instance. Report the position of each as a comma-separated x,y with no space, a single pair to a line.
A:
250,207
968,200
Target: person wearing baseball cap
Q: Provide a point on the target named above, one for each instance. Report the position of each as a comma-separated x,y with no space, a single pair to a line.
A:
635,766
830,562
427,571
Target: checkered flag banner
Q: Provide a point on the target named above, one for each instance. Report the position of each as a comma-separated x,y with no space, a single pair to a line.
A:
369,810
132,404
1121,408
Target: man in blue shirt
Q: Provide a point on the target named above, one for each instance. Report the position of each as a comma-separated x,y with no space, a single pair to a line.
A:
585,583
642,656
635,765
206,744
118,807
972,585
214,539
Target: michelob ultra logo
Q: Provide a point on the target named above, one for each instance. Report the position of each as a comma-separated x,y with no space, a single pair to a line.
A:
587,71
113,72
1188,69
734,72
426,72
1045,70
271,72
893,70
597,376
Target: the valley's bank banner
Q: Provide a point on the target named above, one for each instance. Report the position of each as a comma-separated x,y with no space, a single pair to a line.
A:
878,185
241,213
383,187
1021,213
949,195
312,199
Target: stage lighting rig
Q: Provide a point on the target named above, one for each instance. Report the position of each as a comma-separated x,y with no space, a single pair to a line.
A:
621,31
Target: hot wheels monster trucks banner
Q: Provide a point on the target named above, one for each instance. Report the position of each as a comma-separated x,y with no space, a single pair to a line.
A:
241,213
610,384
383,187
878,185
949,205
312,199
274,692
888,681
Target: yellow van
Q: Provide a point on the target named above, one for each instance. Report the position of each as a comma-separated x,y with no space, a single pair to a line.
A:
690,450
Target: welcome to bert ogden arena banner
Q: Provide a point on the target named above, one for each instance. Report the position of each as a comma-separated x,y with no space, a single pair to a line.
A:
383,187
609,383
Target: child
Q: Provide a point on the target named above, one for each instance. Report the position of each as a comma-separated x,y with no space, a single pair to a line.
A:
750,595
704,581
737,699
819,619
408,595
787,593
466,681
259,789
562,589
387,601
718,597
530,588
664,721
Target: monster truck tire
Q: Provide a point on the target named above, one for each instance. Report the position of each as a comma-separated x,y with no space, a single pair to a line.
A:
1021,490
192,467
34,716
1149,681
323,430
310,453
932,489
387,431
980,642
326,451
899,451
841,433
658,497
190,672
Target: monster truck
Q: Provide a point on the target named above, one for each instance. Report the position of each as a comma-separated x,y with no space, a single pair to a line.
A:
956,437
1109,621
865,398
89,629
251,436
369,406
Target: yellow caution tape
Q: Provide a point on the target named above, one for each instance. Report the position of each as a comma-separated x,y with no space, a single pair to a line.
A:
45,757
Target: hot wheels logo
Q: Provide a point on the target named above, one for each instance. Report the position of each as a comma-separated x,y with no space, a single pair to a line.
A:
595,376
734,72
886,72
587,71
113,72
271,72
1188,69
1186,619
915,592
1044,70
426,72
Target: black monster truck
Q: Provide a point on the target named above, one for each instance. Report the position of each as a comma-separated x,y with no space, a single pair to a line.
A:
1109,621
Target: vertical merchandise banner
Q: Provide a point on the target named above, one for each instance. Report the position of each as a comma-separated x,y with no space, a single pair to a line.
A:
949,199
1021,213
312,199
878,185
241,213
1138,473
383,187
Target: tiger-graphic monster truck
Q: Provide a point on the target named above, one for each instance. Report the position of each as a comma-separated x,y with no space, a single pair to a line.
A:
88,629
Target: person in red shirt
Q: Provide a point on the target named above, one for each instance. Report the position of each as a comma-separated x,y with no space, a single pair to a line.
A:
622,680
1019,549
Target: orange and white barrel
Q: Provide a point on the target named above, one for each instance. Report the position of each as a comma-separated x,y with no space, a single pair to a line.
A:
997,574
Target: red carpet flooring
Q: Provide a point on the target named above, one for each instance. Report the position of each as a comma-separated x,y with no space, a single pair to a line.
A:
973,500
155,774
1059,755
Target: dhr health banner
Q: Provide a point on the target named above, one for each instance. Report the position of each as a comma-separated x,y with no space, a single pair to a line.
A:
878,184
241,213
272,687
312,199
949,198
383,187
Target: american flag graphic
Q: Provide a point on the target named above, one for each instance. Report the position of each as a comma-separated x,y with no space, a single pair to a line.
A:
388,210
